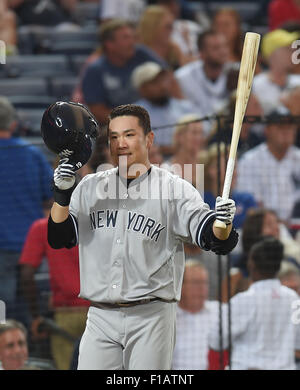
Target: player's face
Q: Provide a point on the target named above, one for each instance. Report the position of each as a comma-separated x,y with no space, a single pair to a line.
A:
13,349
128,143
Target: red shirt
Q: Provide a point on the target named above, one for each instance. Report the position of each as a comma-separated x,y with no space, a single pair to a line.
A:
281,11
63,265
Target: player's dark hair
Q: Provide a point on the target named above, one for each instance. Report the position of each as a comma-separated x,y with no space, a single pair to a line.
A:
133,110
267,255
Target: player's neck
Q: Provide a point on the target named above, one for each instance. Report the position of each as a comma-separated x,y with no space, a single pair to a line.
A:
135,170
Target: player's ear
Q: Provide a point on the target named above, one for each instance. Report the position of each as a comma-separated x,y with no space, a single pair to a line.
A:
150,139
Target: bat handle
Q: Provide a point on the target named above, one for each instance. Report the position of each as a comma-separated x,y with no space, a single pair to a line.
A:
225,195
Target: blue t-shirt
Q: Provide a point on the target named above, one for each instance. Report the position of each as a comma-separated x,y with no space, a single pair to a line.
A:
104,83
25,177
243,202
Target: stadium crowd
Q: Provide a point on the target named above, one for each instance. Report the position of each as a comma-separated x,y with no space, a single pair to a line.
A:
179,59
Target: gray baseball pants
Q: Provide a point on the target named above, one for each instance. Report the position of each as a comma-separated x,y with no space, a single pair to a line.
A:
140,337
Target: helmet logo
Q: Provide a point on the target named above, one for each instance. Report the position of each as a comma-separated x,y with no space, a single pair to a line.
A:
58,122
66,153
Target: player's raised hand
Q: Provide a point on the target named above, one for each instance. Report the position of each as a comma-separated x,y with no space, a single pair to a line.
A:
225,210
64,174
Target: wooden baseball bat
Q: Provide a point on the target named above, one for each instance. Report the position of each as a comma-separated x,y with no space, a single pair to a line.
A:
247,68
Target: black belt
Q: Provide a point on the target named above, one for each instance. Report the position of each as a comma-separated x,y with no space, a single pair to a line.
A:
107,305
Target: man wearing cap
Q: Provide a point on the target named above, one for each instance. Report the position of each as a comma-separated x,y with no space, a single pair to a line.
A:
268,86
153,84
106,82
271,170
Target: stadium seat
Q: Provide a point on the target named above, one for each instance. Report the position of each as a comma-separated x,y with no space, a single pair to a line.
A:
24,86
26,43
86,12
37,66
32,102
77,62
62,87
30,120
72,47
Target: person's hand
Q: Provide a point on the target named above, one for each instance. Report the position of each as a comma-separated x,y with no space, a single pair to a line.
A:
64,175
64,182
36,333
225,210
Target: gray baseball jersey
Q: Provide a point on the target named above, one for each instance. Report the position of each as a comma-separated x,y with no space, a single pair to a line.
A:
131,239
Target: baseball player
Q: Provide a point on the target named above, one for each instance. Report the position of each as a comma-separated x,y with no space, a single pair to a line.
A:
130,223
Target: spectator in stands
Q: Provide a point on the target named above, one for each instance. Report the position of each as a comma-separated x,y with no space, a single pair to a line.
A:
13,345
265,306
282,11
154,31
195,315
243,200
271,170
8,28
185,31
154,84
251,132
130,10
107,81
268,86
258,223
289,276
188,141
204,82
290,99
227,21
69,311
46,12
26,179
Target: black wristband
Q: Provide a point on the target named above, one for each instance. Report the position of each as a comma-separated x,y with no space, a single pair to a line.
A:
62,197
223,247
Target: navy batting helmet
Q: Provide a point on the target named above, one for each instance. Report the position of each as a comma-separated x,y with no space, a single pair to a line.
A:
67,130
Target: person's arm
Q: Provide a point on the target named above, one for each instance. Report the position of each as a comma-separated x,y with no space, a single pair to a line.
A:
193,220
62,226
30,291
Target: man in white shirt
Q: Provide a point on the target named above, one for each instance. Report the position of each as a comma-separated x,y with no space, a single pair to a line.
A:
271,170
204,82
263,334
195,314
153,84
269,86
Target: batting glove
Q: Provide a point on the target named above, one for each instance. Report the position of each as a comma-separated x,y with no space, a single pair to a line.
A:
225,210
64,182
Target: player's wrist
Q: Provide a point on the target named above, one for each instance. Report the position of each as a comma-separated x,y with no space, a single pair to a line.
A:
63,197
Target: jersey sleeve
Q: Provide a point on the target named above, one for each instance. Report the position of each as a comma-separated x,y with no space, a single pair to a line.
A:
34,248
190,214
